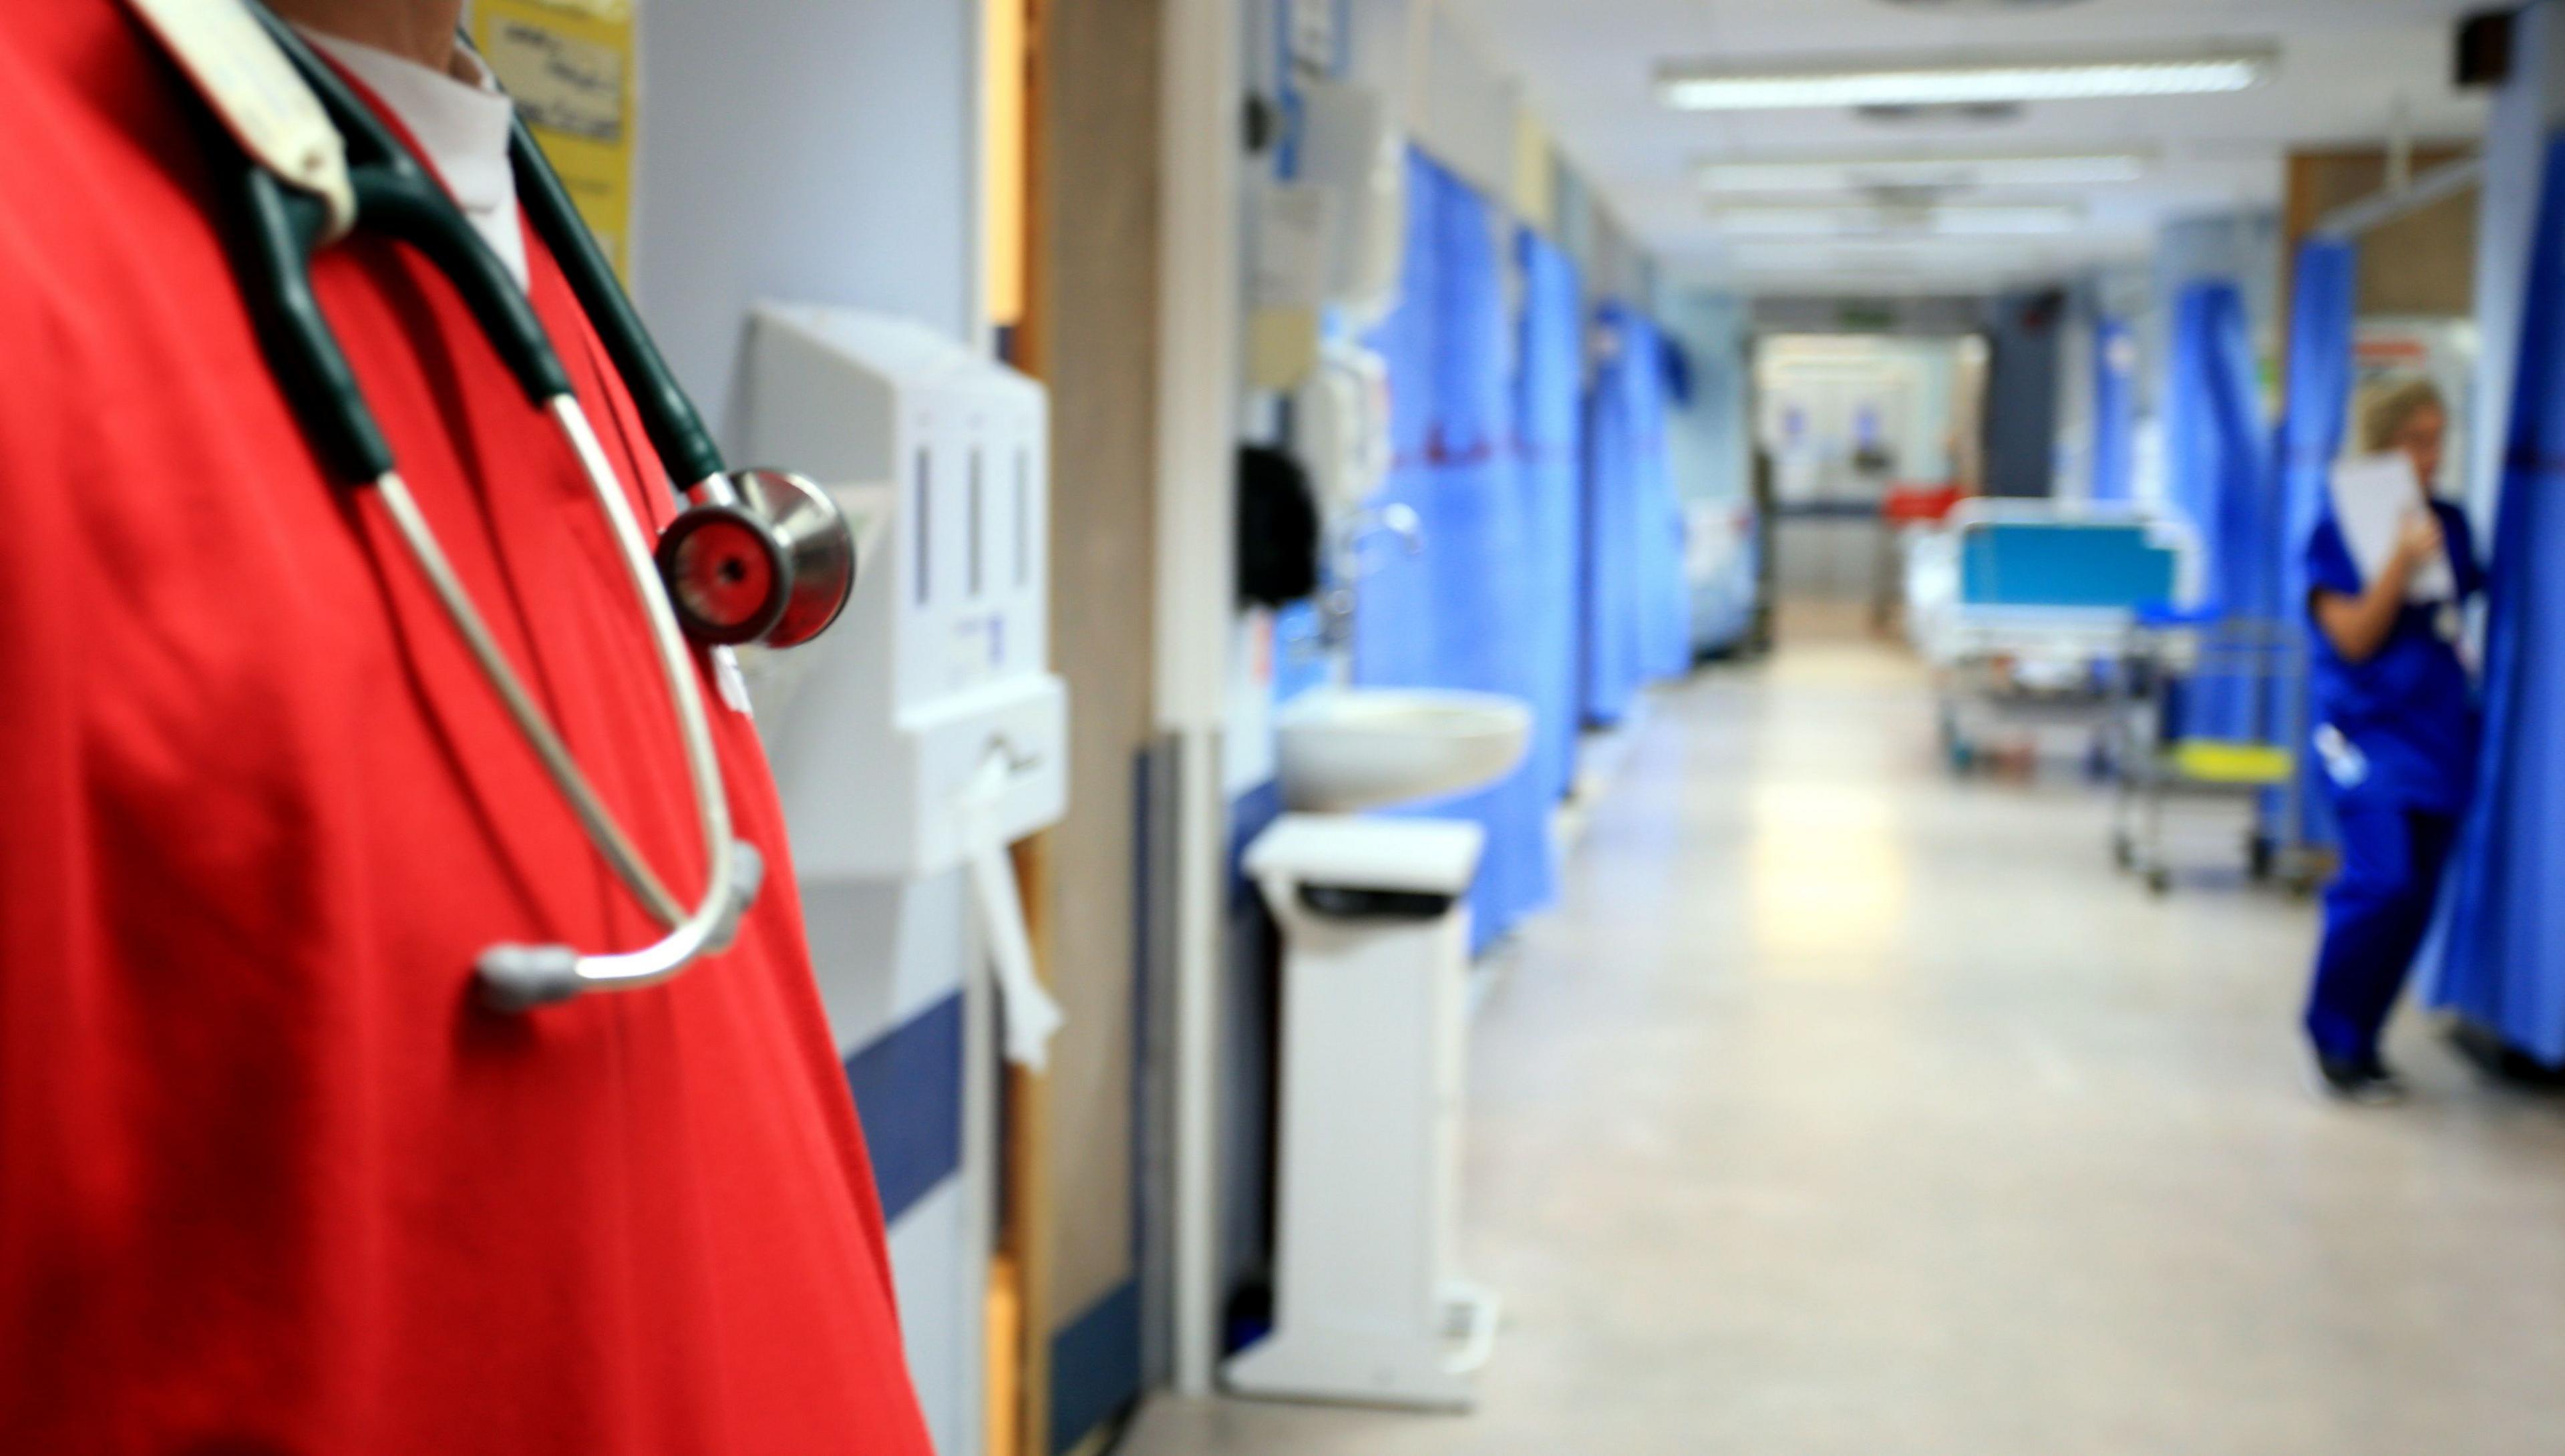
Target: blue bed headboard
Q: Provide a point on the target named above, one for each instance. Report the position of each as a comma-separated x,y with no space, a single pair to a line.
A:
2055,563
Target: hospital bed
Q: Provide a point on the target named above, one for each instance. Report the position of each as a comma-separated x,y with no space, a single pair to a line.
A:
2025,611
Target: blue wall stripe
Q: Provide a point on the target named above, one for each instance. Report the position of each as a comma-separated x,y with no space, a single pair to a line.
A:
908,1094
1095,1367
1250,815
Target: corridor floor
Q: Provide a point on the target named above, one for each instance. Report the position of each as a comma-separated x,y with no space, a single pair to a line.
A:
1843,1110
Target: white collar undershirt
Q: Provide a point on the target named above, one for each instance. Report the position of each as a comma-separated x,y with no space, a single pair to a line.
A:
463,127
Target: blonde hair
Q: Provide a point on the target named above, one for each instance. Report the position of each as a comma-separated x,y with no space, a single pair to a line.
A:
2387,407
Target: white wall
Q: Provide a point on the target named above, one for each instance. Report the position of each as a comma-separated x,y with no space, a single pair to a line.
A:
1708,444
2526,109
2242,248
2126,291
1469,113
1910,382
883,954
1710,440
1459,108
826,152
820,150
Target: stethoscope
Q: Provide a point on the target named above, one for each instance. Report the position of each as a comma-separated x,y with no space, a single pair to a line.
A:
761,557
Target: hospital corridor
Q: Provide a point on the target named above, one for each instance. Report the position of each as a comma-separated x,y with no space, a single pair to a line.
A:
1843,1108
1283,728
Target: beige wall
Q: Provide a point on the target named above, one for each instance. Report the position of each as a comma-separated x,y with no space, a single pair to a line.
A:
2422,263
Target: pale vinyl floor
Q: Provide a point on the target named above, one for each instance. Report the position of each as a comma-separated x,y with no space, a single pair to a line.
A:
1843,1110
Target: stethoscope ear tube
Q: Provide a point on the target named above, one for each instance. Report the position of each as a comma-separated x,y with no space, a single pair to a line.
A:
282,228
806,552
396,196
685,447
409,205
516,979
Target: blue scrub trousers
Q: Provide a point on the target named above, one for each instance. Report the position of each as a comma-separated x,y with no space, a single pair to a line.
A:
2376,912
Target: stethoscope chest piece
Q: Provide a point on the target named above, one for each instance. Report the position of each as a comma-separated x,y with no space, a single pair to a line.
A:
767,558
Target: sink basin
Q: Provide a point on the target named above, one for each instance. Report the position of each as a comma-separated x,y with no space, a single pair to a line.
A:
1344,749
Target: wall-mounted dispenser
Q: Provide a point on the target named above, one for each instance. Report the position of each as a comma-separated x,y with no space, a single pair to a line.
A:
910,747
943,661
1341,420
1352,146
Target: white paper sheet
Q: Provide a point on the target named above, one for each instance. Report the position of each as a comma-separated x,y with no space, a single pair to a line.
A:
1030,1014
2372,496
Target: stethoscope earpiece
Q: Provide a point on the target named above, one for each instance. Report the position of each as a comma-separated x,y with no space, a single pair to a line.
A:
764,556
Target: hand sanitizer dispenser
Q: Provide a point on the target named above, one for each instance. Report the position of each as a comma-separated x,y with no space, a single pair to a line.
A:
910,746
942,665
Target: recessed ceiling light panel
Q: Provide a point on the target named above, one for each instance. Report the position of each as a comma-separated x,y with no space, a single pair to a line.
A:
1948,220
1842,175
1721,86
1946,7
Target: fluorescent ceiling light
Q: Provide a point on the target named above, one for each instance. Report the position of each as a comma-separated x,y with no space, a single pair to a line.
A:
1947,221
1708,87
1819,175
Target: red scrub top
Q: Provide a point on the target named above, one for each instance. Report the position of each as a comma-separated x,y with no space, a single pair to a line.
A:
270,1181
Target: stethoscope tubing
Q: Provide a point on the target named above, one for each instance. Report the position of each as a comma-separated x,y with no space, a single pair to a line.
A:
557,761
394,193
716,912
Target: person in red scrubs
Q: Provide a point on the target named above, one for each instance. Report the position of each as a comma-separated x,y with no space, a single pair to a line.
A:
272,1179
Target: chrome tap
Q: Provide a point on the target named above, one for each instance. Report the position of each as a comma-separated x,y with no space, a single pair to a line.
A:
1345,572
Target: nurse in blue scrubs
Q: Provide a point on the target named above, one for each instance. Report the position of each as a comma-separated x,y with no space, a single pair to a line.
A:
2395,729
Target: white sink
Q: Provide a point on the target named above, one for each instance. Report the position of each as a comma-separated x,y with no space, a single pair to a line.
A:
1344,749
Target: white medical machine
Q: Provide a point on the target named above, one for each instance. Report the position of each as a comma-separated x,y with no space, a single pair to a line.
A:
910,748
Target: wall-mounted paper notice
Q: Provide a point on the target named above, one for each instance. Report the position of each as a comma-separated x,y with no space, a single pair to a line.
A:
568,65
2372,496
1030,1016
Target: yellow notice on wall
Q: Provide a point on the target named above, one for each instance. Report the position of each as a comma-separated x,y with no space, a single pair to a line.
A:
570,65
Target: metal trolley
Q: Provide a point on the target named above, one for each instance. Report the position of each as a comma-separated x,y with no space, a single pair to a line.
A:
2157,765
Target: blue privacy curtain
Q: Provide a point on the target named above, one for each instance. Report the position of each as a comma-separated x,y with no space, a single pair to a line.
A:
1636,616
2114,412
1549,377
1393,639
2503,957
2217,452
1460,615
2322,320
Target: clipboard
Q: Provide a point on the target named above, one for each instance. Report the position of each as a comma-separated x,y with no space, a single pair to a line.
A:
2372,496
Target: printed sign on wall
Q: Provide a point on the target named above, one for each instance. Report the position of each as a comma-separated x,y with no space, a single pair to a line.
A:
570,65
1309,28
